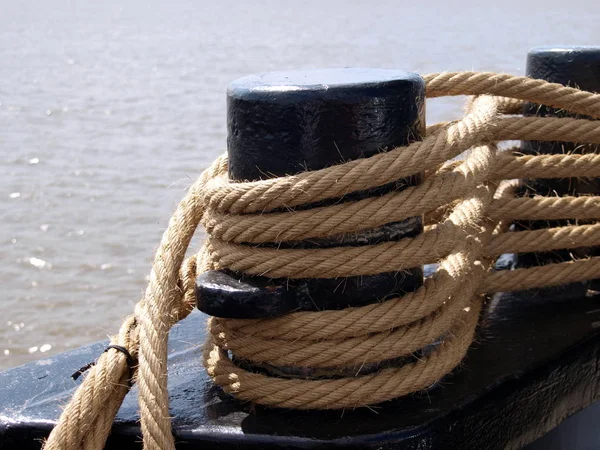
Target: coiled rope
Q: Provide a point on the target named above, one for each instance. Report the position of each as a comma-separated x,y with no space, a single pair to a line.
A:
467,206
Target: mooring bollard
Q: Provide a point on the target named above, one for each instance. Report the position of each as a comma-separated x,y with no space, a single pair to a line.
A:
283,123
575,67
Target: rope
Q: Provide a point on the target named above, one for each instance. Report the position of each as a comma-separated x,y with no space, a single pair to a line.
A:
468,205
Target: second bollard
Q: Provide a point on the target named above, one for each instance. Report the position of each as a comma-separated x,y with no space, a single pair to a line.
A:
575,67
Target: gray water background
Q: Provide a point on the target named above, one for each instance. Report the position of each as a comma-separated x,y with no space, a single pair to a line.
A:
109,110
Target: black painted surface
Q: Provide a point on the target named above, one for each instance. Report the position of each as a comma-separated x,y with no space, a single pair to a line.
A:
579,431
283,123
535,361
576,67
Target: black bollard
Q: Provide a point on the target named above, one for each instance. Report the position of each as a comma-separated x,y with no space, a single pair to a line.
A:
283,123
575,67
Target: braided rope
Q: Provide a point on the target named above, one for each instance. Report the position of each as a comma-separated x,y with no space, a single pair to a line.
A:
468,214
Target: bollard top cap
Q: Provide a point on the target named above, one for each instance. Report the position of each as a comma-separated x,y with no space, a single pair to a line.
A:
284,84
565,49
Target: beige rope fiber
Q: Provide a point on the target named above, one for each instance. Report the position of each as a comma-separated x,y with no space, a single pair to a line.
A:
468,205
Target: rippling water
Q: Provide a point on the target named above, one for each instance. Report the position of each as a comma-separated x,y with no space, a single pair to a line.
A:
109,110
